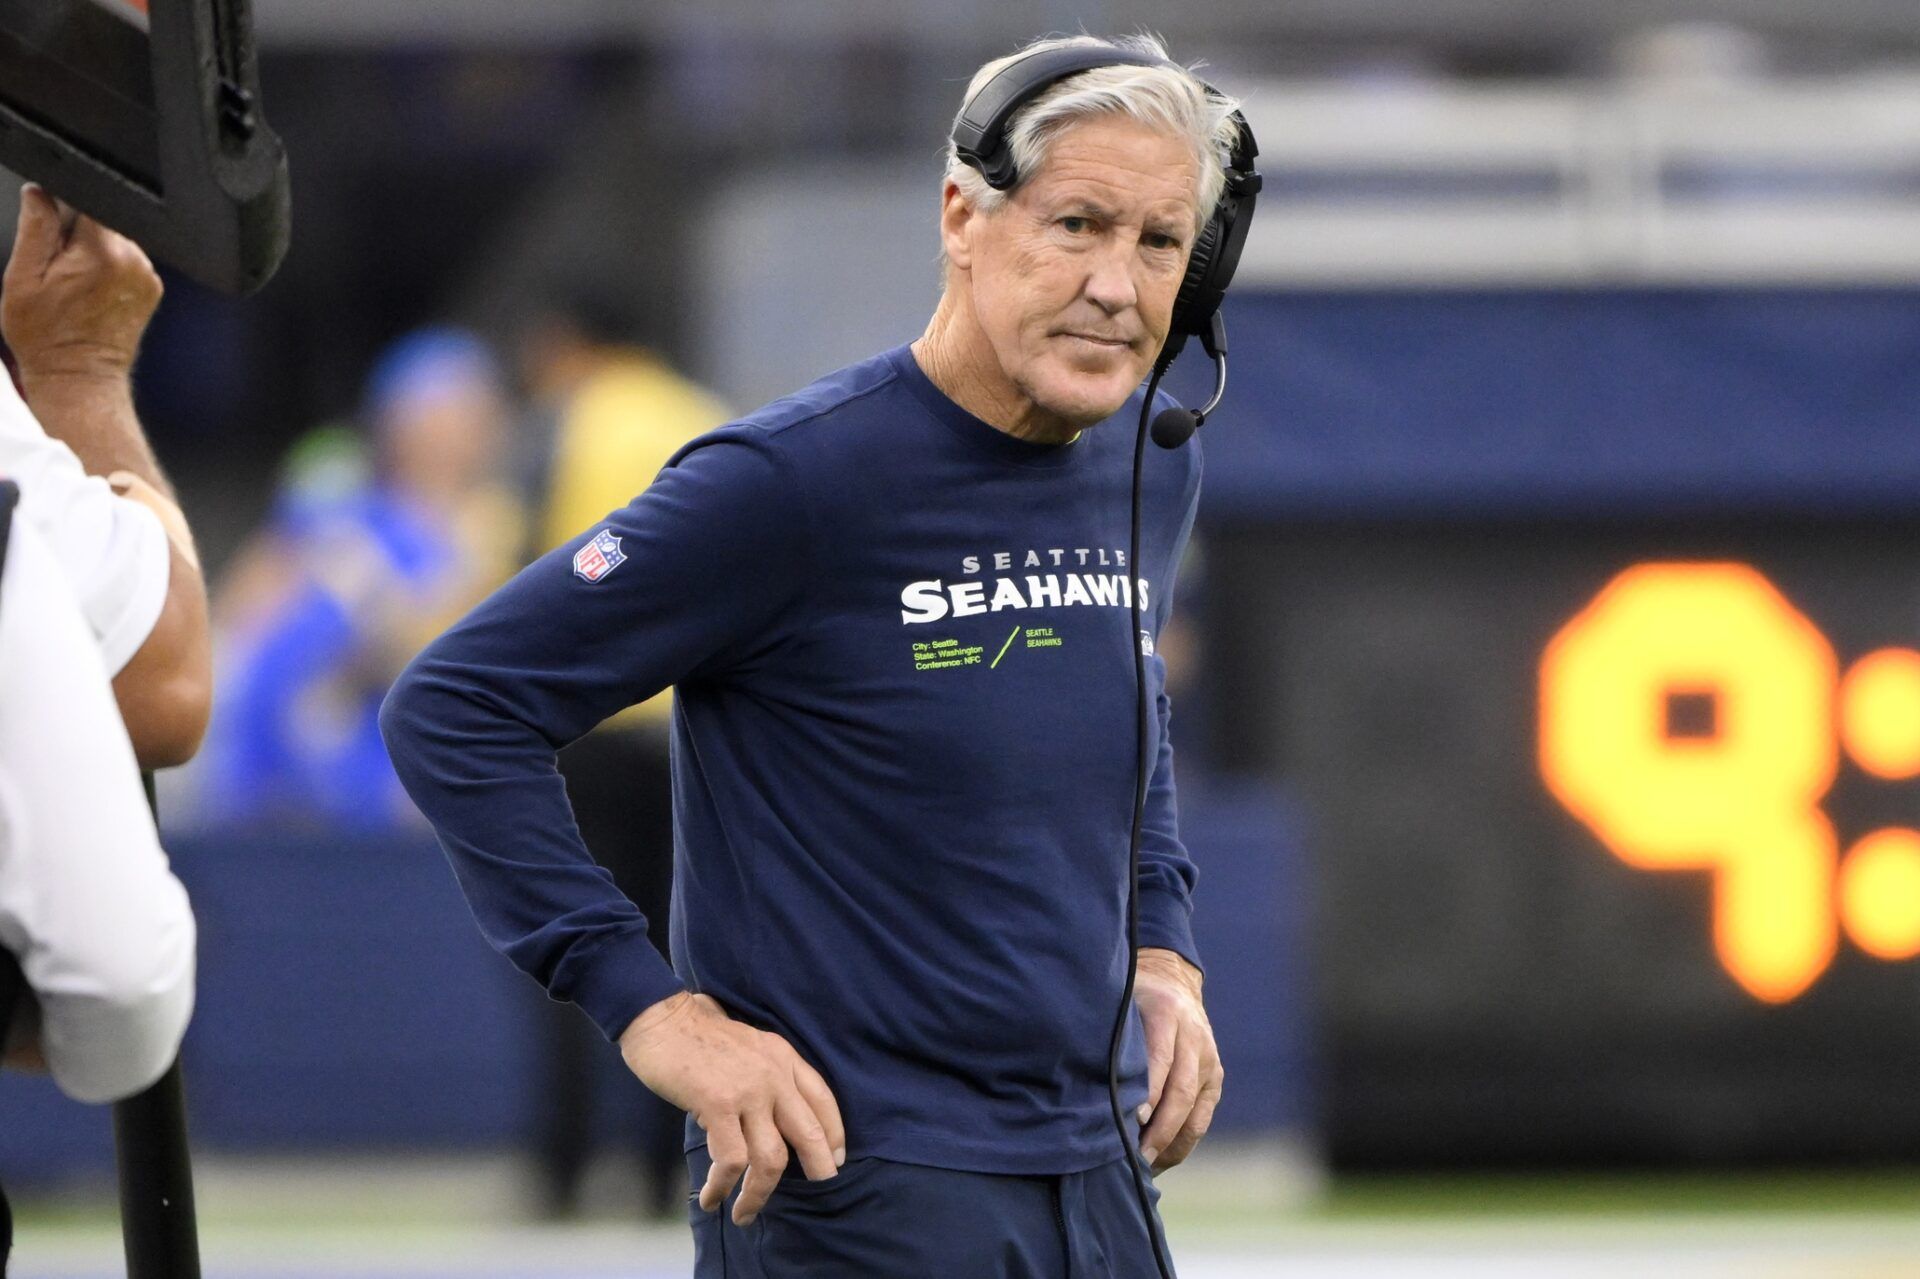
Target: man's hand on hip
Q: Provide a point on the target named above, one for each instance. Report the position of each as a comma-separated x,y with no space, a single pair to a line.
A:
1184,1075
748,1090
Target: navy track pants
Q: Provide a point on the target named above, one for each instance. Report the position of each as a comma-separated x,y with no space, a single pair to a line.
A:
883,1220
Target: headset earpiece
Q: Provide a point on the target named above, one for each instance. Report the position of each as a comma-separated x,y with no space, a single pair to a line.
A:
1217,249
1199,268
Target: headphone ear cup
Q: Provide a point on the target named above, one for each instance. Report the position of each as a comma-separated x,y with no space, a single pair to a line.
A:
1191,307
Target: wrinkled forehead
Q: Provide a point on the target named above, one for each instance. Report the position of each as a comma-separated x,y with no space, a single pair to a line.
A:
1127,164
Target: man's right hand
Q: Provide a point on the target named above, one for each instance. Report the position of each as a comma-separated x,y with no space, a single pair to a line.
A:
748,1090
76,297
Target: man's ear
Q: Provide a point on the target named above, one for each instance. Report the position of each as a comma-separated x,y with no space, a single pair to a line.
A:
958,219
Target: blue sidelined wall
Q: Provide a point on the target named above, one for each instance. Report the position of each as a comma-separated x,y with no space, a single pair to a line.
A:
1599,403
345,999
348,1002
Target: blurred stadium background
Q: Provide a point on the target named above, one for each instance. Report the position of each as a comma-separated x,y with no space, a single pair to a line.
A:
1577,368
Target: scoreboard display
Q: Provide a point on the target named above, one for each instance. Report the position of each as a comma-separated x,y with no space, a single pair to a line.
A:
1691,716
1615,830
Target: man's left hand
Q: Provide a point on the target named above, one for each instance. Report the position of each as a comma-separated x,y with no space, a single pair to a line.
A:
1184,1075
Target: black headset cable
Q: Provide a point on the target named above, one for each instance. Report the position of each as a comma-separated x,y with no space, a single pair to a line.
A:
1128,1137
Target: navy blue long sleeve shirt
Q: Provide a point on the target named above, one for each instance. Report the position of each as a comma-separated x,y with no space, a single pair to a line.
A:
903,756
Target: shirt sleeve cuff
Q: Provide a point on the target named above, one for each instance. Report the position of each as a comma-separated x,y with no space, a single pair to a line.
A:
1166,923
622,978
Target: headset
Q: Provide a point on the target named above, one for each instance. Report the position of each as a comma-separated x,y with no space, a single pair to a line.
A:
980,139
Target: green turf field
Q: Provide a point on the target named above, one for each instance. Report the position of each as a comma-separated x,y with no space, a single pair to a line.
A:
1230,1217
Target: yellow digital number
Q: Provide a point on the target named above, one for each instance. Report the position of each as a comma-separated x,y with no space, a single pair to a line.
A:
1738,792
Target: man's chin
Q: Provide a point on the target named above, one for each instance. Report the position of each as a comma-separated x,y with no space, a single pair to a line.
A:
1086,400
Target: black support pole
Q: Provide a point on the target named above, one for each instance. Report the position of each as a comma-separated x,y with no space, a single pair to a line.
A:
156,1176
156,1182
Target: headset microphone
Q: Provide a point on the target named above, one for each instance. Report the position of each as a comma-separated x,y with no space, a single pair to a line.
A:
1176,426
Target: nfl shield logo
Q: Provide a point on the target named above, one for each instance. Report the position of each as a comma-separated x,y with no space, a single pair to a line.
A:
599,557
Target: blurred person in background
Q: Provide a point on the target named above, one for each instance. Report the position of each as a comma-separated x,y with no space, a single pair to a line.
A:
371,548
604,410
900,933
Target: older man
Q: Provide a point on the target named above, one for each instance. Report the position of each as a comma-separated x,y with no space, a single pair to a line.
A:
896,606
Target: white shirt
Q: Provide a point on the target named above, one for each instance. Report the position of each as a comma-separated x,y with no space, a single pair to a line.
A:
102,929
113,552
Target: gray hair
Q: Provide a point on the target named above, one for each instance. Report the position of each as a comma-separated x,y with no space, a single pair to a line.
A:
1168,98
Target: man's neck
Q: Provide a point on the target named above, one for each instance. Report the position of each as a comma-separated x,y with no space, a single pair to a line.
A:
957,358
